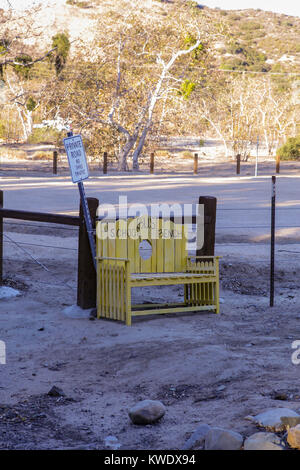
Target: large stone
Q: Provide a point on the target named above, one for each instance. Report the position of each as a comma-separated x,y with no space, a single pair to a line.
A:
293,437
56,392
147,412
223,439
197,439
290,421
271,419
263,441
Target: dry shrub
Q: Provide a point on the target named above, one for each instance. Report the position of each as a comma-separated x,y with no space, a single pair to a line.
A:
186,154
162,153
42,155
11,154
21,155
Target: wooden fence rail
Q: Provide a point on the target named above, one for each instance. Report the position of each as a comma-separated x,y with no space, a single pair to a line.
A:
40,217
86,276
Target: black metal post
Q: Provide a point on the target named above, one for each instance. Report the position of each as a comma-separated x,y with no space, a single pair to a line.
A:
87,217
1,239
272,265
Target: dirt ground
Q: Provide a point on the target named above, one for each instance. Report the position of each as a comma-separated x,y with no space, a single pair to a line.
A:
204,367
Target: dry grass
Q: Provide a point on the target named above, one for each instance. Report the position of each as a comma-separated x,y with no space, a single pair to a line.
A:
186,154
163,154
12,154
41,155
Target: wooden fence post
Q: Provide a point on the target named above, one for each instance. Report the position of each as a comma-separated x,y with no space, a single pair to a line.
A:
152,163
55,162
105,163
238,164
86,282
1,239
277,164
210,209
195,163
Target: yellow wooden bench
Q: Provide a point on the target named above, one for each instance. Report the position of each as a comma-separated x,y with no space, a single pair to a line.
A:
120,267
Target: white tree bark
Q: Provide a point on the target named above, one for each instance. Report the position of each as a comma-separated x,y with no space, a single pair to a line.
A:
166,67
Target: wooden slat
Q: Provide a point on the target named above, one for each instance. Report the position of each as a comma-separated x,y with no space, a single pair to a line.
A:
60,219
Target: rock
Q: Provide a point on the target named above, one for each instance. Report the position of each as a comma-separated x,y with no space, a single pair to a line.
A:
250,418
279,396
7,292
93,314
289,421
263,441
293,437
147,412
111,442
271,419
223,439
197,439
56,392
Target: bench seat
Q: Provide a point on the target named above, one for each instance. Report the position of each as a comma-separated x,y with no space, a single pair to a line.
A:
120,268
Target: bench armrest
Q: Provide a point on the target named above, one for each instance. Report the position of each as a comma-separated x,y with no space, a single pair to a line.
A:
108,258
203,264
199,257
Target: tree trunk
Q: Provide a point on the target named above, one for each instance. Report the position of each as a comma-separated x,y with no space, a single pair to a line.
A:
136,154
25,133
125,152
29,122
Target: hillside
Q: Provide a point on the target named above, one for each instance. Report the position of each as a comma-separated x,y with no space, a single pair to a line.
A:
253,39
116,68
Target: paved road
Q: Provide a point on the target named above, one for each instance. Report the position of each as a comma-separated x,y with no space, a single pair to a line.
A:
243,202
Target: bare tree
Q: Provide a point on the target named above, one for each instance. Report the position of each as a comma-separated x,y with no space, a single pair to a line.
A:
142,64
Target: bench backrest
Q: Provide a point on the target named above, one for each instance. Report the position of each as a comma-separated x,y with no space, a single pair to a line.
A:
122,239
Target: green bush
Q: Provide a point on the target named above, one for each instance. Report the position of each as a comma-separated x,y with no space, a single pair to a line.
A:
187,154
187,87
4,45
234,48
2,130
45,135
291,149
78,3
234,17
22,65
31,104
250,26
233,64
10,129
59,57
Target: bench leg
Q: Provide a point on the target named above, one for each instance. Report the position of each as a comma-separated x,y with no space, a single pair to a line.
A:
128,295
186,294
217,299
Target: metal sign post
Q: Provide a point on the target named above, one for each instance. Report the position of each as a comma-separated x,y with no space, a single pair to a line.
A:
272,266
79,172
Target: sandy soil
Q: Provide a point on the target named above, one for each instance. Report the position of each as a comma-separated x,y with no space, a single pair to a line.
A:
204,367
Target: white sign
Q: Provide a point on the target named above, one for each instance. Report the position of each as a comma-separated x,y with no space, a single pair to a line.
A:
77,159
2,353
